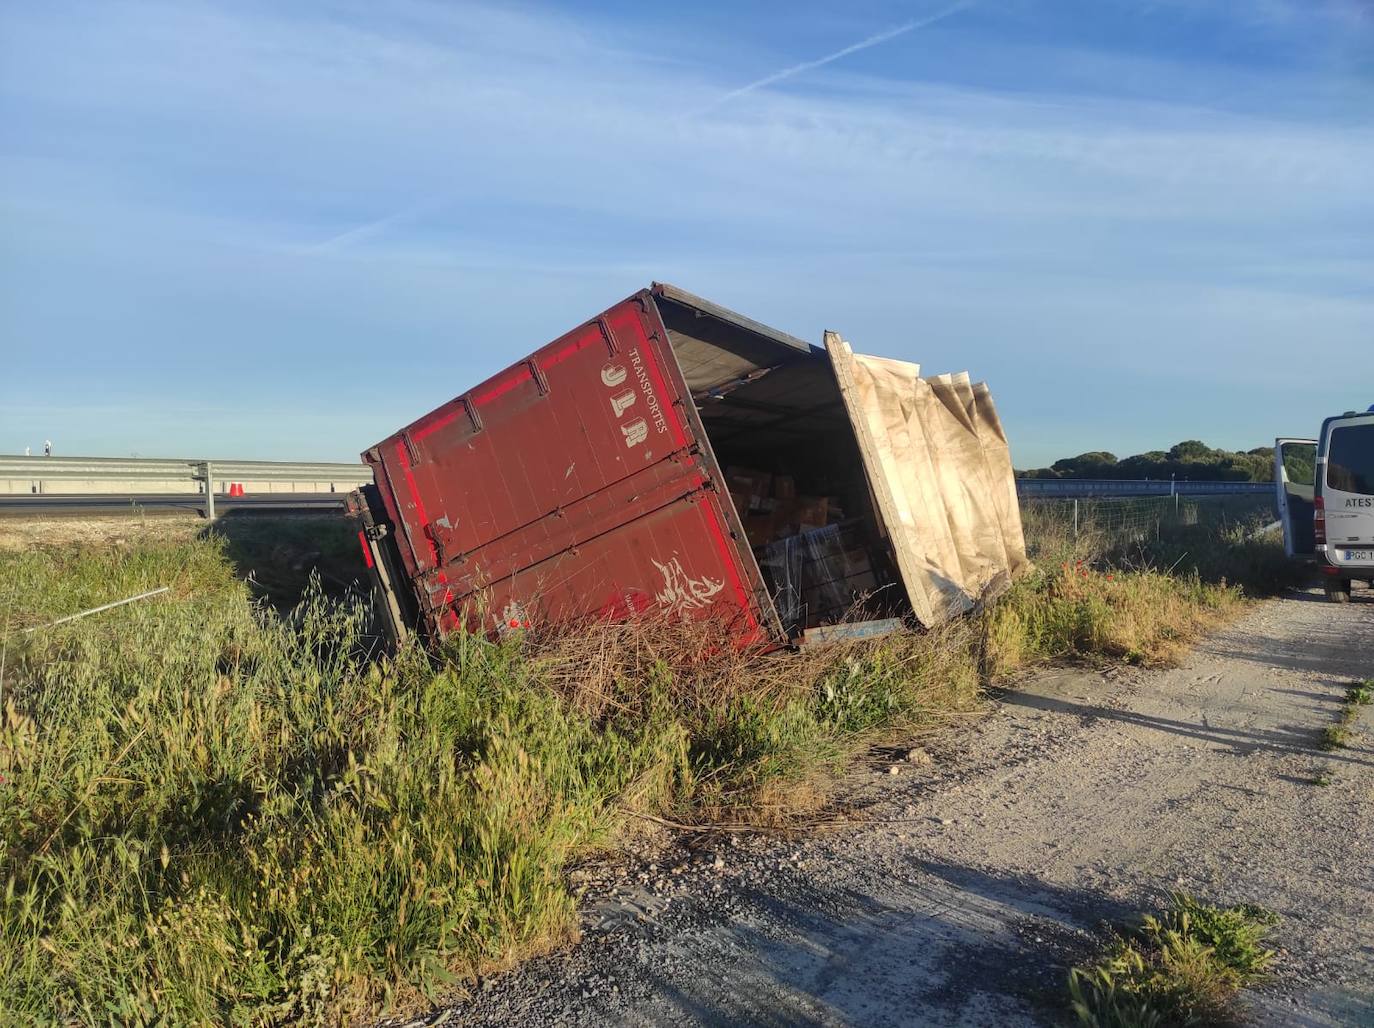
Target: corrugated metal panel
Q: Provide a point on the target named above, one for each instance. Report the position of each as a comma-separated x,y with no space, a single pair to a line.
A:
577,482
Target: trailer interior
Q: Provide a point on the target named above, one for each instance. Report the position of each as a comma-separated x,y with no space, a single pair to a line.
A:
773,414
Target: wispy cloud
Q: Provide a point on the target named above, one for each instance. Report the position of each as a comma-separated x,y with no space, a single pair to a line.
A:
805,66
377,226
420,173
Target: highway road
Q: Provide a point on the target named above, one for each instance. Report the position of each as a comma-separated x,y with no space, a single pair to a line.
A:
78,505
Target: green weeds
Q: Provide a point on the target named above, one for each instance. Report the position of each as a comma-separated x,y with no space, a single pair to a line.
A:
1182,967
1337,735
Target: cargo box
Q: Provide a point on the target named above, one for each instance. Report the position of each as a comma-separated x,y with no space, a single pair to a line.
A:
659,458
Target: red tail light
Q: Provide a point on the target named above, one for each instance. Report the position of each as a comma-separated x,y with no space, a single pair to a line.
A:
367,550
1319,519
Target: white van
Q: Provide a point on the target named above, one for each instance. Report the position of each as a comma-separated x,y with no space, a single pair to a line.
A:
1326,499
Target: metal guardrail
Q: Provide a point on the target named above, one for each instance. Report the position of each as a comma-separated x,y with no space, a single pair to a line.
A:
119,469
207,472
1127,487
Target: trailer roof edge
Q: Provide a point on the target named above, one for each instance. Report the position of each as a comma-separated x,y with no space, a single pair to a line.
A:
715,310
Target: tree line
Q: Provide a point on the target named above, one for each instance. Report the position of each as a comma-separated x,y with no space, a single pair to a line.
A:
1190,459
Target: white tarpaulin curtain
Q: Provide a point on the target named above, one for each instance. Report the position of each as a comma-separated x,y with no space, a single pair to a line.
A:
997,453
941,474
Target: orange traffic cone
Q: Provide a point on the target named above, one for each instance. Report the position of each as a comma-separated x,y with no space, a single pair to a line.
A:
235,488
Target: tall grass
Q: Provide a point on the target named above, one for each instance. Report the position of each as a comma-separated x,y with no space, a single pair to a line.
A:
1077,612
1097,594
210,813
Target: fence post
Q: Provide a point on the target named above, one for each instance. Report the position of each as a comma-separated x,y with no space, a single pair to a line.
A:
209,471
1075,517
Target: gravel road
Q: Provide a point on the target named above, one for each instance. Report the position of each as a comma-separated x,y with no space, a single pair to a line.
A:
989,866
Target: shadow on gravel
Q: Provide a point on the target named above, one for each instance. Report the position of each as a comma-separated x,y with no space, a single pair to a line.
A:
934,943
1322,656
1323,648
1335,699
1356,596
1289,739
1325,1006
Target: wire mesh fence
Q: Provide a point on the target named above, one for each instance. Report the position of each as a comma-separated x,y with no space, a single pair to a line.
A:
1222,539
1112,521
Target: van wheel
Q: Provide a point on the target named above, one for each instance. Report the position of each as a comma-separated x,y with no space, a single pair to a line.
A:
1338,592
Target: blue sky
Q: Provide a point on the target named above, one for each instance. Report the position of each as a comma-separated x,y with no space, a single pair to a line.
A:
272,230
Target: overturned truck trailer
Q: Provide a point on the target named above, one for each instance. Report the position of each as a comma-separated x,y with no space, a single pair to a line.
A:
672,456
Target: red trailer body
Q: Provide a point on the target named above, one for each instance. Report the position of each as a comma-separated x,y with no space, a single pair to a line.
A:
577,482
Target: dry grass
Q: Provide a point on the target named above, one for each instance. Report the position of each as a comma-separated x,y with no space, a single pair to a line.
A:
1217,540
766,732
1104,594
1076,612
21,534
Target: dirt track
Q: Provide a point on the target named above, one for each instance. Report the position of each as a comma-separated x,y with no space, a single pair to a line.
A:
1083,800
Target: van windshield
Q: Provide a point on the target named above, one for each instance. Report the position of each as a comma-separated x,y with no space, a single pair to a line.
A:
1350,460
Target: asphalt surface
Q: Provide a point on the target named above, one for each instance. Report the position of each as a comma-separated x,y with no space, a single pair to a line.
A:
985,869
103,504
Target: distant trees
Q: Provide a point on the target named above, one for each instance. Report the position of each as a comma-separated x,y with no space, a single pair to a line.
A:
1190,449
1085,465
1190,459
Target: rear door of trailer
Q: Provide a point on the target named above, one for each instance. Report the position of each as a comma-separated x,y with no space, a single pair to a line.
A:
940,471
576,483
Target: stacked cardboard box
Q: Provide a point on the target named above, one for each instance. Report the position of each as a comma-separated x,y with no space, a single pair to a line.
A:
770,506
750,489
